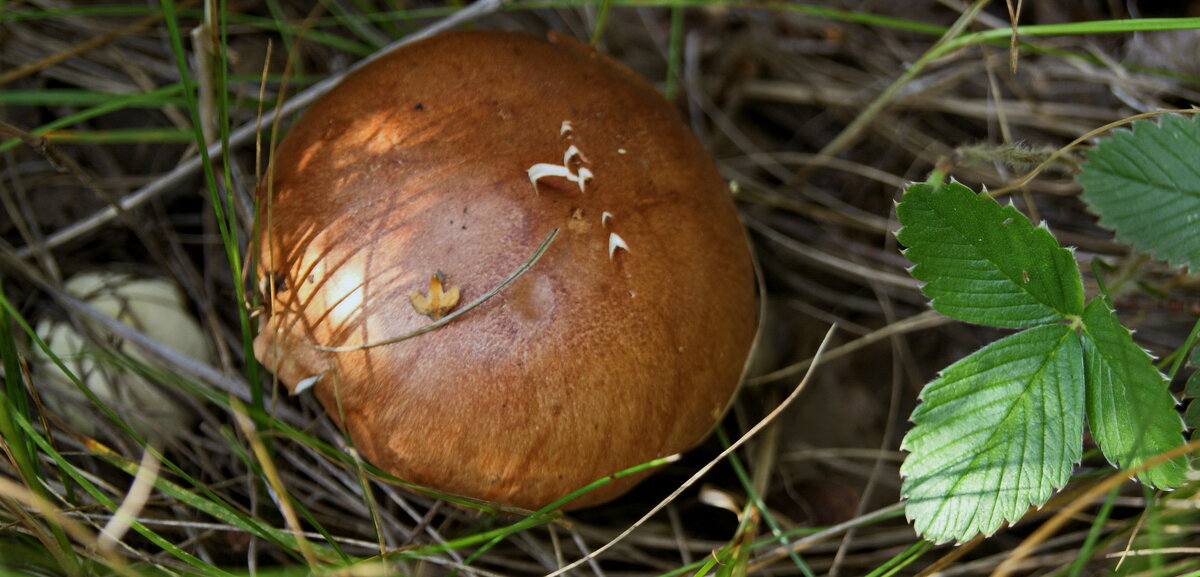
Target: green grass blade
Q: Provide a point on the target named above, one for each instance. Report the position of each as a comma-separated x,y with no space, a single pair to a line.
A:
215,509
20,447
902,560
119,136
83,482
74,97
229,236
150,99
744,477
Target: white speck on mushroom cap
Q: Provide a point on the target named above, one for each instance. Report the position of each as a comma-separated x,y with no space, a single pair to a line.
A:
566,127
306,384
614,242
584,176
604,216
572,152
542,170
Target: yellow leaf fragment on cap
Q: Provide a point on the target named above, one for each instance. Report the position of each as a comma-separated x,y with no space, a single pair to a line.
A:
438,302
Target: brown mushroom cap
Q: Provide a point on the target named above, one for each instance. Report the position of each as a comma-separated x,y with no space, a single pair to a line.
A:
598,358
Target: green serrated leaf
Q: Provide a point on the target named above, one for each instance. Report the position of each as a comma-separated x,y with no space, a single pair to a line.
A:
1145,185
985,263
996,432
1191,417
1194,459
1130,411
1192,388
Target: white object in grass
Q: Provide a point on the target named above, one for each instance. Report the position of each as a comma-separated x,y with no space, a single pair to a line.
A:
118,373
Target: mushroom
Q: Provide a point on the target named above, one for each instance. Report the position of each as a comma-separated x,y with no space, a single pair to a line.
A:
153,305
424,180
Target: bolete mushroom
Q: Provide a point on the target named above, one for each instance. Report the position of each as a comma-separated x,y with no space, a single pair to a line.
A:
153,305
425,179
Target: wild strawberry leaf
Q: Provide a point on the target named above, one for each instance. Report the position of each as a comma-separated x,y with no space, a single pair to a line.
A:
1191,417
1192,389
986,263
1130,411
997,432
1145,185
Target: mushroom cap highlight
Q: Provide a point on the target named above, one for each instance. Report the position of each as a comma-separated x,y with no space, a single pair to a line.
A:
447,162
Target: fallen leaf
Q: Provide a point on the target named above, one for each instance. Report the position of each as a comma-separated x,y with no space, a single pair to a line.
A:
438,302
